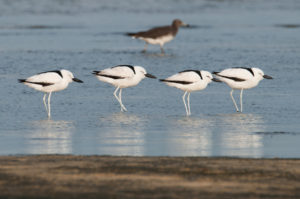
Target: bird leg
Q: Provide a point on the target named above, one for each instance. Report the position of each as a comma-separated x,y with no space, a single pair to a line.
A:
44,100
120,102
162,50
189,106
241,100
237,109
115,94
49,106
120,98
183,98
145,48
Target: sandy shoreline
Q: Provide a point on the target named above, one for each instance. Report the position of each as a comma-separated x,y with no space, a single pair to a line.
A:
67,176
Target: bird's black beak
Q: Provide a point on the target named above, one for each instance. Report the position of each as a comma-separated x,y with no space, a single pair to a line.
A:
77,80
185,25
267,77
216,80
150,76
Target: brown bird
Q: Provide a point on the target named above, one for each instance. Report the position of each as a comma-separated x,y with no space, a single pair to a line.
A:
159,35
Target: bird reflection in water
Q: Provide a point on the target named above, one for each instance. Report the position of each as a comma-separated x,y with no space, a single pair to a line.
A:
122,134
190,136
50,137
238,136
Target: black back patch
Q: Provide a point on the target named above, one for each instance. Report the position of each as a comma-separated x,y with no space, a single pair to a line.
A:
236,79
196,71
53,71
176,81
44,84
129,66
111,76
248,69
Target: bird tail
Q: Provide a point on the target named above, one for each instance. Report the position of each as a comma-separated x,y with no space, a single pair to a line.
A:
95,72
21,80
131,34
215,73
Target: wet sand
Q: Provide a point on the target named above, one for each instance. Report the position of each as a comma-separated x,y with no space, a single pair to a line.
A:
68,176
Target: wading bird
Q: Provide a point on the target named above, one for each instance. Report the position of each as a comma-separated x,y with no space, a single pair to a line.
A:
189,81
159,35
122,76
240,79
49,82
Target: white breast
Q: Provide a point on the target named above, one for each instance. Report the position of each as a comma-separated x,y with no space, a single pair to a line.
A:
159,40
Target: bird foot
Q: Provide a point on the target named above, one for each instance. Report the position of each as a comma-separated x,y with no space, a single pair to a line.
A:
123,110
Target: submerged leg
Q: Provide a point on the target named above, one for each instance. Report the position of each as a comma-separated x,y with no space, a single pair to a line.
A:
237,109
44,100
162,50
49,106
189,106
241,100
120,98
145,48
115,94
183,98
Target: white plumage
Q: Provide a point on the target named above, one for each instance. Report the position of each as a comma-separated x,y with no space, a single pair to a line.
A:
189,81
49,82
122,76
240,79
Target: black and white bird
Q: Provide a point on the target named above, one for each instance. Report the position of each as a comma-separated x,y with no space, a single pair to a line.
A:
189,81
240,79
122,76
159,35
49,82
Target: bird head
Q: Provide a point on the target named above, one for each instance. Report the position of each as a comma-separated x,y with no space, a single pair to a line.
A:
208,77
140,71
258,73
69,76
178,23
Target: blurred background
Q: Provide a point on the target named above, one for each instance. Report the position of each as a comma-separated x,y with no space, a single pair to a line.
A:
87,35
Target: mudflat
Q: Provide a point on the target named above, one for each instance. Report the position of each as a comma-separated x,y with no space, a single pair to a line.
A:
69,176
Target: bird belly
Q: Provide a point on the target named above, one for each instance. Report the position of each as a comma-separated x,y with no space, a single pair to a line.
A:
35,86
128,82
107,80
158,40
188,87
241,85
122,83
47,89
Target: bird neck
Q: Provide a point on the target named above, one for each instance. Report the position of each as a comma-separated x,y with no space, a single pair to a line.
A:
175,28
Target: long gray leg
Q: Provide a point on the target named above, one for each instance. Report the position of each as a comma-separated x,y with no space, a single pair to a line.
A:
241,100
49,105
183,98
120,98
44,100
236,107
189,105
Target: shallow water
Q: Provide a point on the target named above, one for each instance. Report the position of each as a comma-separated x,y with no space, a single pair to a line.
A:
83,36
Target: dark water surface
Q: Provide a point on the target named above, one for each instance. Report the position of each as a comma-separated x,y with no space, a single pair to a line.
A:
83,36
